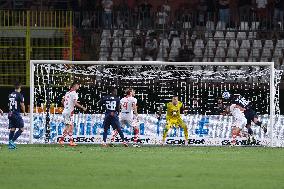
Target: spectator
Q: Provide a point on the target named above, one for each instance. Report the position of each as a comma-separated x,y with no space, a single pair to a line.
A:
151,47
167,8
244,9
224,11
145,14
162,17
202,10
278,11
220,108
261,9
107,15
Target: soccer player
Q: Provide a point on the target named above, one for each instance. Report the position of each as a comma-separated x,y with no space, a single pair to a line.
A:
112,105
70,101
251,116
128,107
16,103
236,109
173,118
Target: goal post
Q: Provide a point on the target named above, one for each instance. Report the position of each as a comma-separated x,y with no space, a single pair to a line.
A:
156,70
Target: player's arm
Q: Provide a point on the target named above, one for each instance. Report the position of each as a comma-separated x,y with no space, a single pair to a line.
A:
135,109
62,100
80,106
22,104
1,112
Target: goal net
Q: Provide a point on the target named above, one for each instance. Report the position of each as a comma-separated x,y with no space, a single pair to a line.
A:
199,86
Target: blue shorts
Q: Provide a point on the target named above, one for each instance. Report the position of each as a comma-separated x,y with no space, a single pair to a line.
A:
15,120
111,120
250,115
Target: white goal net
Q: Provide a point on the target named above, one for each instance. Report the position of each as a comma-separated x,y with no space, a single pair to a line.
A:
199,85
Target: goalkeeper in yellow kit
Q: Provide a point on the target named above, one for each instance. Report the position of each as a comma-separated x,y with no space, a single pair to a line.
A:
173,118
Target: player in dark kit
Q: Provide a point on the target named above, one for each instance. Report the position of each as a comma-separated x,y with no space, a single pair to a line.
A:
16,103
112,105
251,116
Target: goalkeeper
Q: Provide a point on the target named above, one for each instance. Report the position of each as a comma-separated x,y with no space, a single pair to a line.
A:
173,118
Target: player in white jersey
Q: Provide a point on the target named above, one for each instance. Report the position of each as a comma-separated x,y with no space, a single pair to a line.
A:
70,101
129,113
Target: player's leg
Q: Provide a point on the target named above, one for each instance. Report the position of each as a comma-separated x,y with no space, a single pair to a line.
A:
20,126
70,133
67,121
259,123
116,126
135,126
185,130
106,125
235,133
167,128
12,127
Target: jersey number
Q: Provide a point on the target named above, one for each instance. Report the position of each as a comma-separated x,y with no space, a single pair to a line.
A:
13,104
111,105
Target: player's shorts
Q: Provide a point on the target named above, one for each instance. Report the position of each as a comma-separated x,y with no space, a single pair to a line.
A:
68,118
174,122
110,120
250,115
15,120
240,122
127,118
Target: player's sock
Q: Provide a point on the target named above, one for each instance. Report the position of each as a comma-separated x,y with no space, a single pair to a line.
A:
105,136
114,134
234,139
120,134
250,132
17,134
136,132
11,135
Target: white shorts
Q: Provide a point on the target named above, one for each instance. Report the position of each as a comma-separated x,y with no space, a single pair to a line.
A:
126,118
68,118
240,122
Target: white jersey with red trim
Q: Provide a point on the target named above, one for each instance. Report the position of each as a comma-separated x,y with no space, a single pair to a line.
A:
239,117
128,104
69,102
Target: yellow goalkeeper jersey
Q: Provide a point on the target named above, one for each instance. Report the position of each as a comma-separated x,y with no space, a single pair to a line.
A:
173,112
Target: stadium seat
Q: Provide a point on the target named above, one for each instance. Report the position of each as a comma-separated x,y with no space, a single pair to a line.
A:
103,54
255,53
198,52
254,25
210,25
117,33
280,43
232,53
164,43
266,52
186,25
241,35
127,42
278,53
106,33
127,54
244,26
173,54
208,34
234,44
117,43
105,43
176,43
162,54
268,44
230,35
116,54
128,33
199,43
243,53
223,43
220,52
245,44
257,44
211,44
218,35
252,35
209,52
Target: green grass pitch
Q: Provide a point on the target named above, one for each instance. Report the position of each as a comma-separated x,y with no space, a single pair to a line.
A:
87,166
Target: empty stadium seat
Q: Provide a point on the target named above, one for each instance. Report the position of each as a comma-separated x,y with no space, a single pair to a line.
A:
232,53
127,54
243,53
222,43
220,52
257,44
245,44
218,35
241,35
176,43
268,44
199,43
230,35
117,43
234,44
211,44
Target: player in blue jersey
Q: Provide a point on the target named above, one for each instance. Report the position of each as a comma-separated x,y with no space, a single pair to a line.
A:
16,103
112,105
